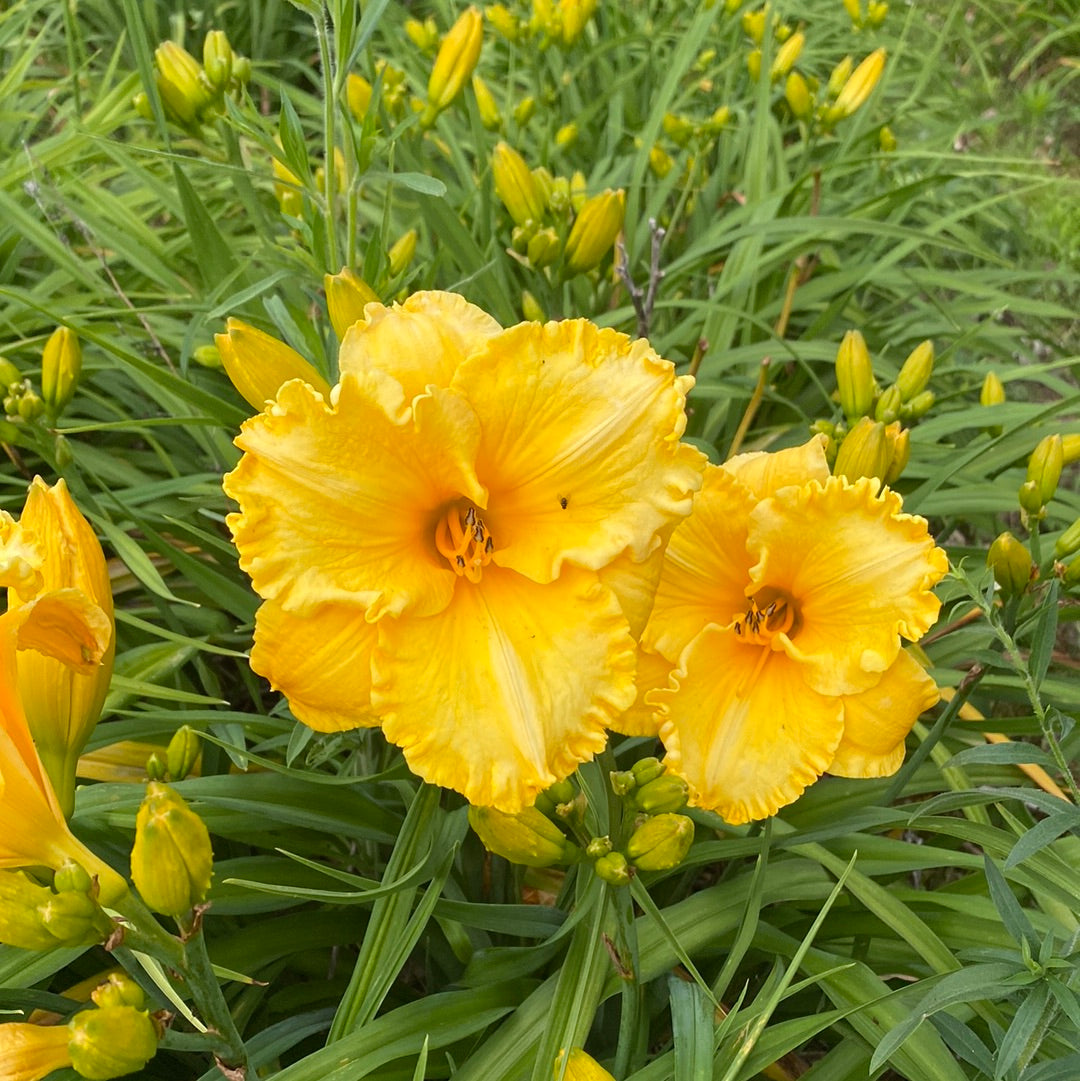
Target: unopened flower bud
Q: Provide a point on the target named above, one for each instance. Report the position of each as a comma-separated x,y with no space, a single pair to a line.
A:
595,228
753,64
217,59
901,452
33,917
347,294
886,139
854,10
678,128
172,860
797,95
865,452
613,869
112,1041
157,767
918,406
142,105
1030,500
183,752
622,781
753,24
504,21
30,406
887,407
181,82
73,919
1070,448
720,116
574,16
118,990
8,373
486,105
647,769
531,309
660,161
661,795
661,842
1068,542
528,837
916,370
401,253
207,356
1071,575
578,191
61,364
993,390
454,63
515,185
524,110
1045,465
859,86
241,69
566,135
597,847
258,364
358,95
1011,563
876,11
854,376
424,35
839,76
543,248
786,55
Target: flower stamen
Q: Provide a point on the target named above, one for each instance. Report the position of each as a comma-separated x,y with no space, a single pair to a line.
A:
463,540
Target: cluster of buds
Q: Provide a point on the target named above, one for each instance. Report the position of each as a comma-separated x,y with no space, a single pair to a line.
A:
114,1037
1043,473
61,366
870,440
190,91
873,16
548,22
553,218
655,838
393,92
35,917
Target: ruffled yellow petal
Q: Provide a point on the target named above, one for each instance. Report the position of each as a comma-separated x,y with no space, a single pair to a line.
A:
580,446
860,573
321,662
419,342
743,729
20,559
706,567
338,504
634,585
765,472
507,690
877,721
641,718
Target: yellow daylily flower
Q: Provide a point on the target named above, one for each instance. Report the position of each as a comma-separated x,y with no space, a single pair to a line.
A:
62,704
781,607
446,547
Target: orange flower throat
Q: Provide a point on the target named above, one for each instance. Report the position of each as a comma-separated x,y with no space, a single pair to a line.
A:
463,540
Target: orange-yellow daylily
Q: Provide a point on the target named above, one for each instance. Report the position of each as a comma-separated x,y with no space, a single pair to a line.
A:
32,1052
63,624
780,611
458,544
62,704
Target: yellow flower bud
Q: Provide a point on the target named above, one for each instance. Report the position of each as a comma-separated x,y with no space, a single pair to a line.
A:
719,119
454,63
854,10
32,917
543,248
424,35
613,869
1068,542
661,842
545,184
401,252
182,753
865,452
287,189
573,15
112,1041
887,407
753,64
786,55
119,989
32,1052
485,104
753,24
661,795
854,376
347,294
578,191
1011,563
504,21
916,370
876,12
886,139
797,95
859,86
839,76
241,69
515,185
531,309
993,391
61,364
524,110
566,135
595,228
660,161
900,442
172,861
1070,448
180,82
581,1067
528,837
678,128
1045,465
1031,502
1071,575
259,364
217,59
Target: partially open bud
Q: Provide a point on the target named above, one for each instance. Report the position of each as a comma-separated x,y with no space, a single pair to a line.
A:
595,228
347,294
916,370
515,185
454,63
172,861
528,837
865,452
1045,465
182,753
486,105
111,1041
259,364
859,86
1011,563
854,376
661,842
61,364
613,869
661,795
217,59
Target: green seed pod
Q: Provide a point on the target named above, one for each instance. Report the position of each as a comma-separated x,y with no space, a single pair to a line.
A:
661,842
110,1042
662,795
172,861
1011,563
527,838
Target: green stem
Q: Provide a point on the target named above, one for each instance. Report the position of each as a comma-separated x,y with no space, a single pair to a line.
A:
322,31
629,1053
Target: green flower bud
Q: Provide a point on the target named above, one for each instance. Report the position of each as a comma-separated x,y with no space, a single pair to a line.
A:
241,69
111,1042
217,59
1045,465
918,406
30,406
1030,500
1071,575
486,104
661,842
172,861
661,795
527,838
118,990
886,139
678,128
181,82
887,407
647,769
183,752
545,184
207,356
543,248
33,917
142,105
401,252
347,294
595,228
865,452
613,869
916,370
530,308
597,847
70,877
854,376
72,919
901,452
1069,541
524,111
797,95
8,373
566,135
515,185
622,782
157,768
559,197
